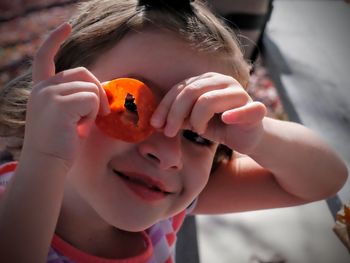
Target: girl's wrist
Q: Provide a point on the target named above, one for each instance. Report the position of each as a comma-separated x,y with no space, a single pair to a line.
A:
261,148
43,161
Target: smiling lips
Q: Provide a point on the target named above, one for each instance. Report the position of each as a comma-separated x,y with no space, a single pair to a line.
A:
144,186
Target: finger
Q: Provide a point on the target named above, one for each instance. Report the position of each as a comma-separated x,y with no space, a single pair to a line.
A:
249,113
83,108
159,116
216,101
68,88
81,105
43,63
185,101
104,103
83,74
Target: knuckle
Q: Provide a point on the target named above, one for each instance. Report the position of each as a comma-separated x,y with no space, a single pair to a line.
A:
36,88
96,100
93,87
192,87
234,82
86,101
48,92
180,87
59,76
203,103
210,74
91,97
242,96
86,74
192,91
246,96
189,91
204,100
81,69
262,108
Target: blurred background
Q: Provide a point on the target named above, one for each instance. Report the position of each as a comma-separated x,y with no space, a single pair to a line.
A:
299,50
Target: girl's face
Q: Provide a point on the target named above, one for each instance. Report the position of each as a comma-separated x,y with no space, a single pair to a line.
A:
132,186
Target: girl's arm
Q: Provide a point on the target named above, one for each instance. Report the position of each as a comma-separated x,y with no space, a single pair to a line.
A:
60,110
30,208
284,163
302,163
290,165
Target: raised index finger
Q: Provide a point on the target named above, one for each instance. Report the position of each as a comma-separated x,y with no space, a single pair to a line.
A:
43,64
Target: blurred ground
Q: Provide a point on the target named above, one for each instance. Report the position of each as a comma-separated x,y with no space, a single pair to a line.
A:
297,235
310,40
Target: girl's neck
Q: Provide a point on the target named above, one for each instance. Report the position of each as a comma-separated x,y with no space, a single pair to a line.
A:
80,226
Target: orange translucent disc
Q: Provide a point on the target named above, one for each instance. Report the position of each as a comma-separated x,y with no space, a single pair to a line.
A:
123,123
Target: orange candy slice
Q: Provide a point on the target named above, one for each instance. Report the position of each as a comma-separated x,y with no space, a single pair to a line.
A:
132,104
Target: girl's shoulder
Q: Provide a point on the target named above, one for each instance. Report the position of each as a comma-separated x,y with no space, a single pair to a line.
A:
6,172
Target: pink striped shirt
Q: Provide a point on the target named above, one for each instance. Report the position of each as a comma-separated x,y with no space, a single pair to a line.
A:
159,239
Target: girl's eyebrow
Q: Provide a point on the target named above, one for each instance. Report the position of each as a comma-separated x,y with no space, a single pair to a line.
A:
147,81
150,83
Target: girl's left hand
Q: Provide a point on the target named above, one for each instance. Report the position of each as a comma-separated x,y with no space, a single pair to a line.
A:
216,107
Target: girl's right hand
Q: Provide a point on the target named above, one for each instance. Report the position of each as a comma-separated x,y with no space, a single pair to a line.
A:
61,107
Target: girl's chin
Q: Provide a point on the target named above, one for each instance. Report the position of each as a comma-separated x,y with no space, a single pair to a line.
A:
132,225
134,228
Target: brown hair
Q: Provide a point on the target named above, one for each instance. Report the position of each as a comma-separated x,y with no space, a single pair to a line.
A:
98,26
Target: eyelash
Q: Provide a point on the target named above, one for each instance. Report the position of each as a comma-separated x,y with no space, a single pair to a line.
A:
195,138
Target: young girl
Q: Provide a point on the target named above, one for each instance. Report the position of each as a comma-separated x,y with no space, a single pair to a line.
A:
79,195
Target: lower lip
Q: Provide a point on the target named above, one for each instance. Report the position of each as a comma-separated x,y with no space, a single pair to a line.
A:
143,192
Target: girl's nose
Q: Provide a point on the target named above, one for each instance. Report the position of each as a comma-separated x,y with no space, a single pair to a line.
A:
162,151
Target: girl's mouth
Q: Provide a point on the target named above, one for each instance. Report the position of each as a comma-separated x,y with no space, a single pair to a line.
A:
143,186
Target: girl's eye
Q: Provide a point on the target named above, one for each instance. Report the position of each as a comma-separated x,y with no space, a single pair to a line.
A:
195,138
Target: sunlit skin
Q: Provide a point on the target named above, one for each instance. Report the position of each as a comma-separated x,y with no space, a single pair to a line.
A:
170,160
79,178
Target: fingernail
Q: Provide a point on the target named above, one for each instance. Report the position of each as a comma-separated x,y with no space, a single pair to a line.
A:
169,131
156,121
200,131
107,110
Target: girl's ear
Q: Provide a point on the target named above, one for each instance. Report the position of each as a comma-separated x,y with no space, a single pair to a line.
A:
222,153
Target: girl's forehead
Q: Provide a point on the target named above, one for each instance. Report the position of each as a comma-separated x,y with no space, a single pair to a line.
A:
157,57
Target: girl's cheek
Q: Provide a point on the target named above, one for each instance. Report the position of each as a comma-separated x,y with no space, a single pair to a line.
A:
98,142
83,130
197,179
